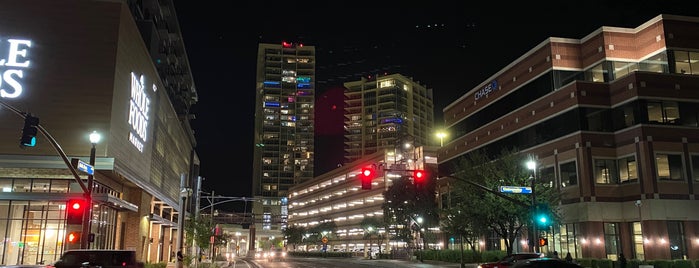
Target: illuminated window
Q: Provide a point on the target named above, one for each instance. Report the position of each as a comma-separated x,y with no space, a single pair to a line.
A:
638,240
669,166
663,112
627,169
596,74
611,240
387,83
686,62
624,68
605,171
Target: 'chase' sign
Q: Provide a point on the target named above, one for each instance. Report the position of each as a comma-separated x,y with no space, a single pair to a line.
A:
487,89
13,61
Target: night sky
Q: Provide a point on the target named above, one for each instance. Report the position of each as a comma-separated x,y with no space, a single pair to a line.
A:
450,47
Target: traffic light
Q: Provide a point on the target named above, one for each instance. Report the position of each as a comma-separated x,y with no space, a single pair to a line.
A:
29,131
367,176
419,176
73,238
543,241
542,219
74,211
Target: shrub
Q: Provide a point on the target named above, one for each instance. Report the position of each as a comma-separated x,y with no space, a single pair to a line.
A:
682,264
155,265
661,263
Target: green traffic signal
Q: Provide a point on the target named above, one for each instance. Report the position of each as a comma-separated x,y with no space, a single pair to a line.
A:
29,131
542,217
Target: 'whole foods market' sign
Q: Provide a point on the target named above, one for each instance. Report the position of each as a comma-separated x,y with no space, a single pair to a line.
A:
13,61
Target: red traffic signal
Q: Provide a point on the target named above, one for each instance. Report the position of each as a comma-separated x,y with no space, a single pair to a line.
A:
74,211
419,176
543,241
367,176
73,238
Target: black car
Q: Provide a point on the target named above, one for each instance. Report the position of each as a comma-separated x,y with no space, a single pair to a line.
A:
545,263
508,260
82,258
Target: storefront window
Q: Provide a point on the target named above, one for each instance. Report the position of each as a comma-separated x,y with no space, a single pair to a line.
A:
611,240
638,240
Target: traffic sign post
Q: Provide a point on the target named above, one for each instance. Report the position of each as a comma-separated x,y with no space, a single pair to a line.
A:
82,166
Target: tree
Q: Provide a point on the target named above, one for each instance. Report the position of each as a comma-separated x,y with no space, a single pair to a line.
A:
294,235
503,217
199,231
405,203
372,228
467,229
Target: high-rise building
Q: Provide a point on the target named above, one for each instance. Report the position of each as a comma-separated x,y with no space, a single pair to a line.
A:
382,112
611,120
284,126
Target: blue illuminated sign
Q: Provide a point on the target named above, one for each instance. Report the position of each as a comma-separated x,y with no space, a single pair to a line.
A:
516,189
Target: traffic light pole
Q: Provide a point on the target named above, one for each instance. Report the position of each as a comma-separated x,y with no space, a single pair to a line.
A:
514,201
55,145
533,209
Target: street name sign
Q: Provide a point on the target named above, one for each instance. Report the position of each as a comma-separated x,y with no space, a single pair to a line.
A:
516,189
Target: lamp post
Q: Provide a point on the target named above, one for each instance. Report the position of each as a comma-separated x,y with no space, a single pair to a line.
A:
237,243
420,238
441,135
531,165
85,238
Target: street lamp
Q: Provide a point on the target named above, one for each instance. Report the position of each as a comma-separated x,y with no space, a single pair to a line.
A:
85,239
531,165
441,135
237,245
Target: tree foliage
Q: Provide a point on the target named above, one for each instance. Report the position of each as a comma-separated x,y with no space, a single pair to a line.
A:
199,232
294,235
478,207
373,229
405,202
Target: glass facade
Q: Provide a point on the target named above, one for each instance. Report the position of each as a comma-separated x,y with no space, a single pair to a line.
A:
34,229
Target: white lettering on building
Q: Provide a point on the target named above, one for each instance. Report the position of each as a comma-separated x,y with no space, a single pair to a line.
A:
487,89
139,107
11,67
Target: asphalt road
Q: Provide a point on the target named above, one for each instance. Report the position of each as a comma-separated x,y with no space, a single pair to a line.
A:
293,262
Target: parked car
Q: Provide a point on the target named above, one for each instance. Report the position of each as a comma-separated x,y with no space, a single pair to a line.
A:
85,258
545,263
276,254
509,260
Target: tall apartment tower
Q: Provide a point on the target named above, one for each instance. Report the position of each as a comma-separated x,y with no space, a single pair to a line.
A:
382,112
283,124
